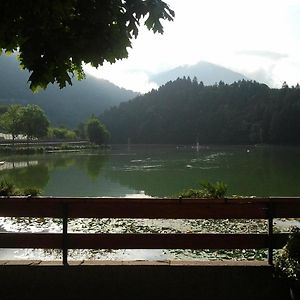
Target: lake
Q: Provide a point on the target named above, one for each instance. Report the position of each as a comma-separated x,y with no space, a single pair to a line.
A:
156,171
159,171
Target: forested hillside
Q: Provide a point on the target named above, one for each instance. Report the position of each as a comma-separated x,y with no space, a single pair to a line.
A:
185,111
67,106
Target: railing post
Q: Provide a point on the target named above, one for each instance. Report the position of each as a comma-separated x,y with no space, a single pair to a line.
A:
65,234
270,232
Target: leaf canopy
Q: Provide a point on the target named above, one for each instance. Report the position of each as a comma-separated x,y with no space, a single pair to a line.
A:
53,38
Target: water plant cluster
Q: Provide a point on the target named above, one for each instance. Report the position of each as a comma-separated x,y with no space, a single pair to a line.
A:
206,190
143,226
7,188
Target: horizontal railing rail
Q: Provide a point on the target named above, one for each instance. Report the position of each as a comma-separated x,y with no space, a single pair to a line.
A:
154,208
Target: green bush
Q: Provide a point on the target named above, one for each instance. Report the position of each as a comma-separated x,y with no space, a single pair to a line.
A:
206,190
61,133
9,189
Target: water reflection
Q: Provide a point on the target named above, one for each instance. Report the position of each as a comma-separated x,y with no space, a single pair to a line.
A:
41,170
260,171
7,165
94,165
159,171
59,161
26,174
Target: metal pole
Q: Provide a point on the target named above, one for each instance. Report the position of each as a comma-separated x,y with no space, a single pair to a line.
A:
65,234
270,232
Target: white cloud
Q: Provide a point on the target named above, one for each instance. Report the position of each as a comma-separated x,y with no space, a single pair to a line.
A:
216,31
265,54
136,80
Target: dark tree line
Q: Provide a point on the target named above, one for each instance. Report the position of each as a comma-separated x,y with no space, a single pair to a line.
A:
185,111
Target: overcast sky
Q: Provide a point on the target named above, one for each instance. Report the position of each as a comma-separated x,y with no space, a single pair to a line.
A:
259,38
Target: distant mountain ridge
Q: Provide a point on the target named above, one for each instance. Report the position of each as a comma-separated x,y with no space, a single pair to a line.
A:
74,104
206,72
67,106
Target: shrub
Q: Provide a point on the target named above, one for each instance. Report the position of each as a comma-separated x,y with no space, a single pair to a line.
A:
206,190
9,189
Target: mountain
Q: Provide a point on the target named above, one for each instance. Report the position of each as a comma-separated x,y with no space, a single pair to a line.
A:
206,72
67,106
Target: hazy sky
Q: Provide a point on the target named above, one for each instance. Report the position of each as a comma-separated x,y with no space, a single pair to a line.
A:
259,38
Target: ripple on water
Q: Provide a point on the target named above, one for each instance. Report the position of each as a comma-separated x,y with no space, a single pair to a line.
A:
141,168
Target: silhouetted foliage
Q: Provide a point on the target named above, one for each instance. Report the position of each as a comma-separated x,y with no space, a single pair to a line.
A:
54,37
184,111
206,190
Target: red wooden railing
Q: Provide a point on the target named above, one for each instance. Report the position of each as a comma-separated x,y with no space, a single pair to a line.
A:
65,208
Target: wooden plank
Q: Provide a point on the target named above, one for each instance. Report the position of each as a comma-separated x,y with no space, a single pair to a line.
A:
174,241
131,208
244,208
31,240
167,241
141,241
168,210
286,210
30,207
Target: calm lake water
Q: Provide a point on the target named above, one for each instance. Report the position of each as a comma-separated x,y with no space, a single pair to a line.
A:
159,170
151,171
